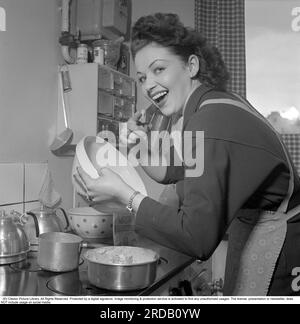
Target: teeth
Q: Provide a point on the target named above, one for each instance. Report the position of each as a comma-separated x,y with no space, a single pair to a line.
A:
159,95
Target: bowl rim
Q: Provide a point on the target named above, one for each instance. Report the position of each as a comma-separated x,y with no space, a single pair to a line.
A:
85,162
93,212
83,159
155,254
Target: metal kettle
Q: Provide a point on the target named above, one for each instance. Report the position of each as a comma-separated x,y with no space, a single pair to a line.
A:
48,221
14,244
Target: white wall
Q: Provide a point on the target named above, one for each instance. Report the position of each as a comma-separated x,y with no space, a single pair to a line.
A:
29,58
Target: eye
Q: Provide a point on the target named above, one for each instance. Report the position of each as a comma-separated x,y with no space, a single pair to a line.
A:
142,79
158,70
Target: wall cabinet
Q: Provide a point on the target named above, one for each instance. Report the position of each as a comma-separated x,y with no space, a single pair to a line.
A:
100,97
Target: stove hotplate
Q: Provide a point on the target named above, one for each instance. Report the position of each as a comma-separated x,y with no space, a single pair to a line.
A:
76,283
73,283
26,278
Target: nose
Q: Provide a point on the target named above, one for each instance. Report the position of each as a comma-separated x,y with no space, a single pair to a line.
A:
149,85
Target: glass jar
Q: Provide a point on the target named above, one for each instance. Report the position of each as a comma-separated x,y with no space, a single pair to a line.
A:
111,52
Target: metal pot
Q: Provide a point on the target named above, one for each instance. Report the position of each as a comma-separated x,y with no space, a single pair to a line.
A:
121,277
59,252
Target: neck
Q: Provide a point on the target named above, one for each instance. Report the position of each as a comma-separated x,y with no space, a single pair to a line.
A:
194,86
180,113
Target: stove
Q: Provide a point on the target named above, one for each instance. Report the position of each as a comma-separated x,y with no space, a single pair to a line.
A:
26,278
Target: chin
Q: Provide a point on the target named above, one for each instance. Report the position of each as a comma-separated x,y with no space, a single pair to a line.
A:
167,111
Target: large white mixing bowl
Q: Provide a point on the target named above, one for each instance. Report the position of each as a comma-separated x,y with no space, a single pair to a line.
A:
92,153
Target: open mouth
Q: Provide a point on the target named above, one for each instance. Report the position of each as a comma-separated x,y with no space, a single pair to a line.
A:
160,97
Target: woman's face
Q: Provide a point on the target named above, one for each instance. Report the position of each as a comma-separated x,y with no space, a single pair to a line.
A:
163,77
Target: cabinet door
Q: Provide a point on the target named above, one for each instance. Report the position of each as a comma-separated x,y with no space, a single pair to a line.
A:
96,89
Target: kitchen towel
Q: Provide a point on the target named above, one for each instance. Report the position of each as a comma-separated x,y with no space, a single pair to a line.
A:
48,196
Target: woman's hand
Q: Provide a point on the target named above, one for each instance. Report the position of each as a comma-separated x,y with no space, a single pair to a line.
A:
109,186
134,129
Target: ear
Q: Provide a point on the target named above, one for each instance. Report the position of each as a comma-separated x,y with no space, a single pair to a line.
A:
193,64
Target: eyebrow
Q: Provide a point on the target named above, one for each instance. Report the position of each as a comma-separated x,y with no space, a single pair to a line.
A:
151,65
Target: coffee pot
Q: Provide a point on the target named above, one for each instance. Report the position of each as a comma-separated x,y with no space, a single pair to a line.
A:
48,221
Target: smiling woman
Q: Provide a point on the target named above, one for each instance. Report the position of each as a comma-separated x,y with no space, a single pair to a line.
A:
248,185
175,78
164,79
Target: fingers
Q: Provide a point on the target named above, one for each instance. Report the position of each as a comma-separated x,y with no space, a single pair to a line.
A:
84,193
84,177
137,115
132,132
100,170
143,111
104,171
85,196
83,180
81,187
81,193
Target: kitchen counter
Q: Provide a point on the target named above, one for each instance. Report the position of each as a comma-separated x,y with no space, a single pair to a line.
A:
27,279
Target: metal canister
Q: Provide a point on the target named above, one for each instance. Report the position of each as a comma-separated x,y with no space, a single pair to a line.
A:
82,54
98,53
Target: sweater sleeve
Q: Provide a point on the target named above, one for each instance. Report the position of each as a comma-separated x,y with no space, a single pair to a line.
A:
232,174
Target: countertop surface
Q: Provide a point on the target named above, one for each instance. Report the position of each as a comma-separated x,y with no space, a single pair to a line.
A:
25,278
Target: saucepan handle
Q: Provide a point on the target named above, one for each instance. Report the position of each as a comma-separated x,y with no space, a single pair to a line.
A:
66,217
87,245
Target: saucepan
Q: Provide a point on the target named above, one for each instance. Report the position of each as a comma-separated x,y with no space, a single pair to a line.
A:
121,268
59,252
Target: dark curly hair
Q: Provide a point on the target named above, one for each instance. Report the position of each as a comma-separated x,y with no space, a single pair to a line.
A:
166,30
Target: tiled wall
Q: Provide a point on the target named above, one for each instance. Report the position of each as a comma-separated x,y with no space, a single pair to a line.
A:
20,184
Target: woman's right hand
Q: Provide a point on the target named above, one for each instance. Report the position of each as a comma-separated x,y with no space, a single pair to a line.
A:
134,129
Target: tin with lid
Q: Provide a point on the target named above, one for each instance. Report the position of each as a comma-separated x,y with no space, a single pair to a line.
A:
98,53
82,54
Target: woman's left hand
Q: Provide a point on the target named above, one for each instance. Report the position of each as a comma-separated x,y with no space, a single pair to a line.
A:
107,187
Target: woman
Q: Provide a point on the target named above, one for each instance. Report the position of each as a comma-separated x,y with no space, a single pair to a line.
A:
248,180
